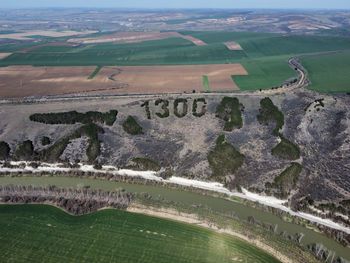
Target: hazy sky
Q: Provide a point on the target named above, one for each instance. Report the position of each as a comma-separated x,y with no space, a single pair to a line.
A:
337,4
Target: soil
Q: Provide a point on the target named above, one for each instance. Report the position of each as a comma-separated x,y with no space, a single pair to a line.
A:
135,37
26,81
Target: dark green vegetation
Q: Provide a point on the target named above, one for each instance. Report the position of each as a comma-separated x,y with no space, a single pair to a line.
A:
112,236
147,109
224,159
4,150
264,56
229,110
270,113
286,150
286,181
328,72
91,130
131,126
164,106
73,117
95,72
342,207
45,141
203,110
24,151
184,109
144,164
206,85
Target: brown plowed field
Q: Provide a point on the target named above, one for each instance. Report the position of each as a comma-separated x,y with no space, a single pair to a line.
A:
135,37
24,81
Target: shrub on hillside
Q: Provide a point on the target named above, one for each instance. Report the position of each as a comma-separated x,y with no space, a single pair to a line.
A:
24,151
224,159
270,113
72,117
4,150
229,111
286,150
131,126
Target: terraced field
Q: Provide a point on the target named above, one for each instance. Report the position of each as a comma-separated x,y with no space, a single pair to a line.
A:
112,236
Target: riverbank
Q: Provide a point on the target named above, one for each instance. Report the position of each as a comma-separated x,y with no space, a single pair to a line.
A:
251,219
269,201
193,219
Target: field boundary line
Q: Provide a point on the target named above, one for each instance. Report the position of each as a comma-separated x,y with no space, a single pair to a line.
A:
193,219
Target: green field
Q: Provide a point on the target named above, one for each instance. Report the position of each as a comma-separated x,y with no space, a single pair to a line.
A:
264,73
264,56
206,84
189,202
95,72
329,72
37,233
158,52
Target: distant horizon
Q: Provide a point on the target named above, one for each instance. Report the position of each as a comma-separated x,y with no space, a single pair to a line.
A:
177,8
180,4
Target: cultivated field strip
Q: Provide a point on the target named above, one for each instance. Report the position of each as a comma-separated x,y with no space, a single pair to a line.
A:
113,235
24,81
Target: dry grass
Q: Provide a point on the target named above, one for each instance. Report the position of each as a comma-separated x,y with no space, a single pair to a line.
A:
24,81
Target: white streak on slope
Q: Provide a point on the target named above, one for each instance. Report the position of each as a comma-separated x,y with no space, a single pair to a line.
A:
211,186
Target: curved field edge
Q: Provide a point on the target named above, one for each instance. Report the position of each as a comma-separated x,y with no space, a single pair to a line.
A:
226,213
329,72
265,73
113,235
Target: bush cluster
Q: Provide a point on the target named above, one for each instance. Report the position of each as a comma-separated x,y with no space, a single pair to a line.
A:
72,117
286,150
165,108
229,111
195,107
131,126
224,159
184,111
4,150
270,113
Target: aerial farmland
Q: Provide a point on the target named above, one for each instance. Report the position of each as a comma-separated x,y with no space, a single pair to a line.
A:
174,136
